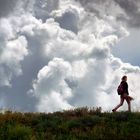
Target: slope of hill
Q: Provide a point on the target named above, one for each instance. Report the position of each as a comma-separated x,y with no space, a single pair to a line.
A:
78,124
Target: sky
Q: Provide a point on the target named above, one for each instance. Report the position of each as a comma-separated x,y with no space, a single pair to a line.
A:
63,54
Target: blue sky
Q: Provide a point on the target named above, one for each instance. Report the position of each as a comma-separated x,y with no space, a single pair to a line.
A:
128,49
62,54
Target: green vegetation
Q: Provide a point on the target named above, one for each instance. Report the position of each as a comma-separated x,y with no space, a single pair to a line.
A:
78,124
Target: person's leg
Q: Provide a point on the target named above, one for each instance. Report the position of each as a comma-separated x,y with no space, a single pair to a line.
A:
121,103
129,104
128,100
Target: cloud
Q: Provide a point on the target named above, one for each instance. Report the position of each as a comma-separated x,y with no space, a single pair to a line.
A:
10,8
131,8
85,57
125,11
63,51
47,104
50,86
13,51
43,8
10,60
101,8
6,7
68,19
87,51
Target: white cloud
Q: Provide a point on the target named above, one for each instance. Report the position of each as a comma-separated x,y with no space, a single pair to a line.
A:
43,8
50,86
93,67
52,102
12,52
72,43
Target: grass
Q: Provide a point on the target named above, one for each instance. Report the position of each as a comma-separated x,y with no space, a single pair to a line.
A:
77,124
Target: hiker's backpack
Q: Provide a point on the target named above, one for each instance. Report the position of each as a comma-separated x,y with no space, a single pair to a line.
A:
120,89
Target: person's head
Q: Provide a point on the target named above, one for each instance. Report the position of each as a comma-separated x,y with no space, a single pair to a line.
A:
124,78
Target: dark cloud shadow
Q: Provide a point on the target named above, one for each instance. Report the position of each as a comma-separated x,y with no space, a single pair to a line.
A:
7,7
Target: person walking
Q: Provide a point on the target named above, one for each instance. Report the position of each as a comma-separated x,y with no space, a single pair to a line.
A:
124,95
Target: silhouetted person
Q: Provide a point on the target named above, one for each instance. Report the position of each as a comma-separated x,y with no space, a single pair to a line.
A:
124,95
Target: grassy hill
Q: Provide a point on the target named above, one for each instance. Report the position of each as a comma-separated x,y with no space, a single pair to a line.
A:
78,124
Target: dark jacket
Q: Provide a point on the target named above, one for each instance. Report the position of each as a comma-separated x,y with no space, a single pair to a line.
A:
125,87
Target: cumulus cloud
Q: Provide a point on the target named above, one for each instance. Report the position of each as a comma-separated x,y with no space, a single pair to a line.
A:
87,53
63,51
87,50
132,11
68,17
6,7
125,11
13,51
101,8
15,7
43,8
51,87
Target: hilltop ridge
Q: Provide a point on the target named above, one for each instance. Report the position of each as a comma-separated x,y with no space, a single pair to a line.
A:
77,124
